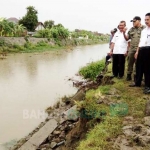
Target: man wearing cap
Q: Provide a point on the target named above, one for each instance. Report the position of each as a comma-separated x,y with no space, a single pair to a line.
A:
112,34
134,35
143,57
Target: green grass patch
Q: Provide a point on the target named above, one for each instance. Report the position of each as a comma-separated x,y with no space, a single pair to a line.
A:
92,70
100,137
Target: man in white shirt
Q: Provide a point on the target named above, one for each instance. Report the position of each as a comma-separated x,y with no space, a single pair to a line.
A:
119,48
143,57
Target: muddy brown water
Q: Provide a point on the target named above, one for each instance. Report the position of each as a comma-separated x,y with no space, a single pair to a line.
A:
29,83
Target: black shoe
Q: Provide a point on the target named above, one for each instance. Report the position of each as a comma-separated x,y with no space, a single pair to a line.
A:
146,88
147,91
128,77
134,85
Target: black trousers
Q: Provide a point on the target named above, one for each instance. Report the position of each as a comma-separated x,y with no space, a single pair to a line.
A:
143,66
118,65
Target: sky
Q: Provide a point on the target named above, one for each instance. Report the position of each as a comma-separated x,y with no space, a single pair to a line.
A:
93,15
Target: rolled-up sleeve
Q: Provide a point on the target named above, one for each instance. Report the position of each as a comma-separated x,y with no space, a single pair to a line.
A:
113,39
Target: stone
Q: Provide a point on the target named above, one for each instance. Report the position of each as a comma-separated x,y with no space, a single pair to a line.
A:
39,137
144,140
56,132
60,143
127,127
45,146
72,114
147,108
63,104
62,135
148,132
124,147
80,95
147,121
128,118
57,140
53,144
129,132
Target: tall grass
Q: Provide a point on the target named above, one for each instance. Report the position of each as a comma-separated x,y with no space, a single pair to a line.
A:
92,70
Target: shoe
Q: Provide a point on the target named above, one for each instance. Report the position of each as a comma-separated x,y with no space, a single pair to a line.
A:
145,88
120,77
147,91
128,77
134,85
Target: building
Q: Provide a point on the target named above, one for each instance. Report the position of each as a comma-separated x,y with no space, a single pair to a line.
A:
39,26
13,19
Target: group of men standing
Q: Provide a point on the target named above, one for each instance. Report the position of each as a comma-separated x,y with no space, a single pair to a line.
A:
135,44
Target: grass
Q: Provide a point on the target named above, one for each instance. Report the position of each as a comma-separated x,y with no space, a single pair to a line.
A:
99,137
102,134
92,70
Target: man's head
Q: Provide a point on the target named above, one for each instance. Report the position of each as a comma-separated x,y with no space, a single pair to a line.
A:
147,19
122,25
136,21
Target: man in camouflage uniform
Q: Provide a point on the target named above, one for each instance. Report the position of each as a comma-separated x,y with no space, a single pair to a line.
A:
134,35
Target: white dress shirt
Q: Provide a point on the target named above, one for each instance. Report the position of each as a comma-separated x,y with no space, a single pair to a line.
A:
121,44
145,37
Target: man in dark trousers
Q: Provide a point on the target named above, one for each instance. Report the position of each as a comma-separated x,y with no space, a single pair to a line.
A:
119,48
143,57
133,35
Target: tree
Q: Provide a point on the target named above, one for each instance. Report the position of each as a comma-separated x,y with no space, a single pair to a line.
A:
5,27
49,24
18,29
59,32
30,20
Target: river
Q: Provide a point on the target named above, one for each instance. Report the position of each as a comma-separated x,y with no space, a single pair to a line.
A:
29,83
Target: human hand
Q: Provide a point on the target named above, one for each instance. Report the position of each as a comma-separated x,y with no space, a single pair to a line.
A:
135,55
124,30
111,53
126,54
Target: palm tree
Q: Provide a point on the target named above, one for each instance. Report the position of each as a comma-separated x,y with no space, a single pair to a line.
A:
1,26
18,29
5,27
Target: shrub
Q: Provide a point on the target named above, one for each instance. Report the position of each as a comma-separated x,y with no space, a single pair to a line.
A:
2,42
28,45
42,43
92,70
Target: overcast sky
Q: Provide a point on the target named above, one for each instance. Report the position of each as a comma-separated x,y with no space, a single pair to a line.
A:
94,15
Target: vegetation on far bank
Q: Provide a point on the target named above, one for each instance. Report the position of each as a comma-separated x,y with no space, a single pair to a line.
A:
43,45
56,34
105,125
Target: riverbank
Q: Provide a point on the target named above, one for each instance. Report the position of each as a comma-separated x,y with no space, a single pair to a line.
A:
112,116
124,121
31,44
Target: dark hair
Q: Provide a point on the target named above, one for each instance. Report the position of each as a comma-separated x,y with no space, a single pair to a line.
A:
148,14
123,22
